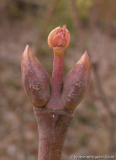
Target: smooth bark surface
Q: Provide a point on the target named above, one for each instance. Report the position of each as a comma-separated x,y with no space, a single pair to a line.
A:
52,126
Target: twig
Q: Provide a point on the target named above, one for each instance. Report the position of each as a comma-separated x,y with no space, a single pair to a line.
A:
54,110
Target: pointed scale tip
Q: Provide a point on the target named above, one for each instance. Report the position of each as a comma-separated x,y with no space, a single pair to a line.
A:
86,53
27,45
85,60
27,49
27,53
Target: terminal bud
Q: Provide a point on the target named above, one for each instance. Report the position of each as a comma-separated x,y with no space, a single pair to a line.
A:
59,39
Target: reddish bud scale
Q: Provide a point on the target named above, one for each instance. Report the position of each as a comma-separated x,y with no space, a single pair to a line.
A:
77,83
35,79
59,40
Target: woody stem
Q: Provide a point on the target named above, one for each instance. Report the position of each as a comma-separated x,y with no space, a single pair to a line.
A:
52,126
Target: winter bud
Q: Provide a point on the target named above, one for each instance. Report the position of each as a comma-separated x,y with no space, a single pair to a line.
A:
77,82
59,39
35,79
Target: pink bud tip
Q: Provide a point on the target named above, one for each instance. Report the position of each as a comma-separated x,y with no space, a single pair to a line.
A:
59,39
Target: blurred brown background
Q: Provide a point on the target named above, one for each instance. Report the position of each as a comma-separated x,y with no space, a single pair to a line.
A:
92,25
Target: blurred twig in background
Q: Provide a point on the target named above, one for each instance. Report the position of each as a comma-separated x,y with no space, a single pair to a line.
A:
45,22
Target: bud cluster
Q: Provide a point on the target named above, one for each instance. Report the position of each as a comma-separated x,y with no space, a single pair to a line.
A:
36,81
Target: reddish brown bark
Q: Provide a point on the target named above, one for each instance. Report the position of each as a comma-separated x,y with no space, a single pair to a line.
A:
52,129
